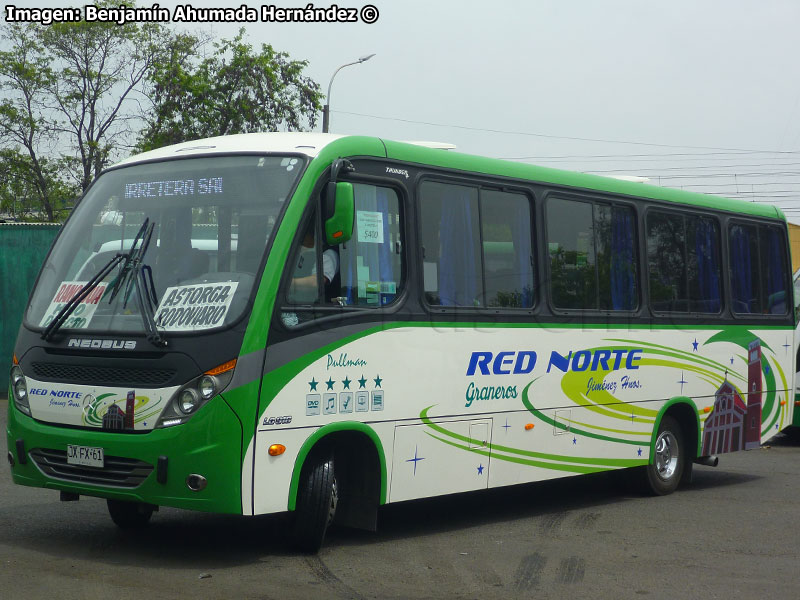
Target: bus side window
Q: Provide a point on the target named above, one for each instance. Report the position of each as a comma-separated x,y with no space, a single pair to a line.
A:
477,247
758,269
371,261
684,263
507,249
451,241
573,260
366,271
304,285
593,255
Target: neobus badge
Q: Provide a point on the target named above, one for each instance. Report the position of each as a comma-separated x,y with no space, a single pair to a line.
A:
101,344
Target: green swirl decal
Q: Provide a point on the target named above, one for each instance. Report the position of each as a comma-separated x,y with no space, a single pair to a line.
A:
557,462
523,461
769,403
675,353
589,390
785,407
574,384
740,337
91,415
542,417
144,408
602,402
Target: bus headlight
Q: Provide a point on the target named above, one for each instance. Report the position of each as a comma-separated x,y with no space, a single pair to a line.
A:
20,390
188,401
207,387
192,396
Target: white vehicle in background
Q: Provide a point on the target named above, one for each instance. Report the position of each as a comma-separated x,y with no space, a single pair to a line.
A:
106,251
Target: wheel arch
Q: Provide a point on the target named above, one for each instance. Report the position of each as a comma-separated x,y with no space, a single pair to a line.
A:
347,436
684,410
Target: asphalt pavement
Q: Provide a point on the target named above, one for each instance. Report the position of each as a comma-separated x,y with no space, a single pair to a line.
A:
732,534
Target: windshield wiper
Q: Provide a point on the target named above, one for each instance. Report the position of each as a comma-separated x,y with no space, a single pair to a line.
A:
148,302
136,274
131,263
135,261
82,294
127,267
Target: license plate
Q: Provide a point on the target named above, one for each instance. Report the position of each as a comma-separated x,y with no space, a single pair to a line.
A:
84,455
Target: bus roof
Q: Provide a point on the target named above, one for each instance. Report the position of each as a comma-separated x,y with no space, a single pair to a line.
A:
334,146
517,170
308,144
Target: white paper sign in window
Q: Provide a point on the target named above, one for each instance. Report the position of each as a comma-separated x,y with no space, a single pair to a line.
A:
82,315
370,226
192,307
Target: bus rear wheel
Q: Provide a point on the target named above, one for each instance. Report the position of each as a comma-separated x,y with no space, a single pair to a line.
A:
663,475
317,497
129,515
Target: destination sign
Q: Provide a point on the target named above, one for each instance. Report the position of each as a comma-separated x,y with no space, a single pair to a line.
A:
174,187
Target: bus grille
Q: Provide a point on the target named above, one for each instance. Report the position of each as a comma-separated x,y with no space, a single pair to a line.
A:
118,471
116,376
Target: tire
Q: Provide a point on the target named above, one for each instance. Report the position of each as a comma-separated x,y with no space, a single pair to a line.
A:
129,515
317,497
664,474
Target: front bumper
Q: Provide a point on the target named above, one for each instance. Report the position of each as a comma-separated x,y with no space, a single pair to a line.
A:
209,444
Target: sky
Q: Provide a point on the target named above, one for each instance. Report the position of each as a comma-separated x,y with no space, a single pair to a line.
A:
703,96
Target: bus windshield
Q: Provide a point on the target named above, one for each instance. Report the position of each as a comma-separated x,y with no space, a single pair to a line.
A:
211,220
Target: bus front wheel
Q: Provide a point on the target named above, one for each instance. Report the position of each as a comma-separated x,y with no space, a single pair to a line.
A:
317,497
129,515
663,475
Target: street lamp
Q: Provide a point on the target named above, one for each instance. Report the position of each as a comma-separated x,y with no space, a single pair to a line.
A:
327,109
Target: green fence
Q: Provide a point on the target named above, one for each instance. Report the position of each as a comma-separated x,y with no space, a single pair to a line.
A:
23,247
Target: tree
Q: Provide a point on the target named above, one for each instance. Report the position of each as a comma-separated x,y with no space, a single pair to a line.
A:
233,90
25,75
71,97
68,93
101,66
21,187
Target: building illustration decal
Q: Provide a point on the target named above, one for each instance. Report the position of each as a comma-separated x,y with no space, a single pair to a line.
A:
117,419
114,418
734,425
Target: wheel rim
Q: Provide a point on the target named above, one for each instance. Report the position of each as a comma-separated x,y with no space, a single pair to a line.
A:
334,501
666,460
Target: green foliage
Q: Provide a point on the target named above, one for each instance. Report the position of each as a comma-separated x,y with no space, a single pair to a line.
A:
232,90
510,298
25,74
573,279
21,192
65,102
100,68
71,97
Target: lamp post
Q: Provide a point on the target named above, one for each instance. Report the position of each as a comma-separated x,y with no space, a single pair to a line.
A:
326,110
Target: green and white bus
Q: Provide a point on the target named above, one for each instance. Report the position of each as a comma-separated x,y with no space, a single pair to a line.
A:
474,323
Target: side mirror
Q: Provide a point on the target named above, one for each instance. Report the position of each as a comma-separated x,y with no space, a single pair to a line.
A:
339,226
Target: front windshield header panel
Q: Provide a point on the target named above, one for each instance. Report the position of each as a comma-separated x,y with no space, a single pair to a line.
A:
212,219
